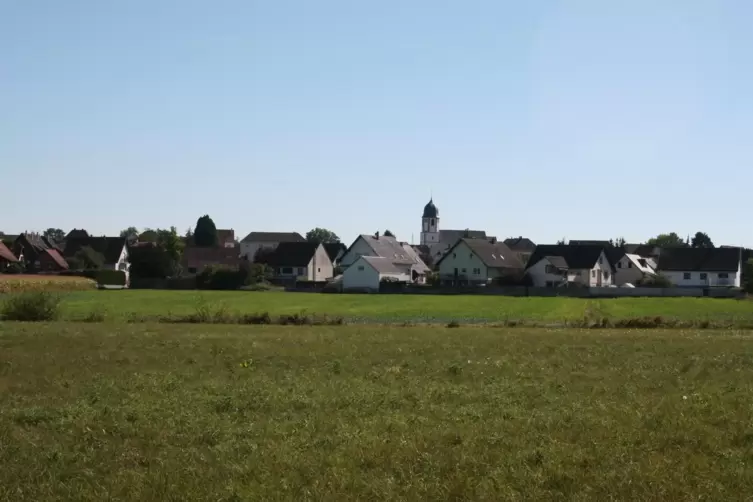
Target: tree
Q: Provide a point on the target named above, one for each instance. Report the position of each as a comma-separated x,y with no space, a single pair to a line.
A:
562,242
130,233
86,258
748,276
701,240
321,236
56,234
205,233
158,259
670,240
387,233
170,241
148,235
618,242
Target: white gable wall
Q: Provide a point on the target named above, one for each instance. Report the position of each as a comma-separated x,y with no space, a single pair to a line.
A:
359,248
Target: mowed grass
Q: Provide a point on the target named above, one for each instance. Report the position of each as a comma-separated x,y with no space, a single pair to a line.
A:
199,412
401,308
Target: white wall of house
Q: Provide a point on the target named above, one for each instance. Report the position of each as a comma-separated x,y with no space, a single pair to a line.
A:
362,276
122,263
469,266
627,271
703,279
250,248
320,268
544,274
359,248
601,273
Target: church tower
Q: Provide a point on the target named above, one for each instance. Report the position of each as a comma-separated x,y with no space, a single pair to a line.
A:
430,225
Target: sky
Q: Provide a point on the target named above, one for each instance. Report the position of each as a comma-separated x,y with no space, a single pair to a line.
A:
581,119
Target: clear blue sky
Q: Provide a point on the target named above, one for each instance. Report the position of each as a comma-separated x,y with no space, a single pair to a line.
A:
583,119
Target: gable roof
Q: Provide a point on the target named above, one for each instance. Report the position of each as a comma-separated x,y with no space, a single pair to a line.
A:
452,236
291,254
557,261
53,253
225,235
382,265
641,263
6,253
200,257
333,249
273,237
575,256
109,247
77,234
699,259
493,255
386,247
33,240
520,244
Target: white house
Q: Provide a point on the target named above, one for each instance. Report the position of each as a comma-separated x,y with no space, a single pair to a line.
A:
255,241
367,272
401,255
300,261
554,265
477,261
631,268
701,267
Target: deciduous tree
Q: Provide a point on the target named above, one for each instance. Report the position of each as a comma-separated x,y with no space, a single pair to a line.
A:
701,240
321,236
670,240
56,234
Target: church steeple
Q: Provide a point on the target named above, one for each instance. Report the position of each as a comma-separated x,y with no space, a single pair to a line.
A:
430,224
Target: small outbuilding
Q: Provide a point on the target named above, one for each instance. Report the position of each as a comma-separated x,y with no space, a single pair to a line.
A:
367,272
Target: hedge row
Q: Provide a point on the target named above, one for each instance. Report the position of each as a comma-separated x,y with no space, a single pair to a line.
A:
104,277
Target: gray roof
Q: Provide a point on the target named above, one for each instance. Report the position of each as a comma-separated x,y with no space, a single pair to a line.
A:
493,255
557,261
452,236
273,237
520,244
389,247
382,265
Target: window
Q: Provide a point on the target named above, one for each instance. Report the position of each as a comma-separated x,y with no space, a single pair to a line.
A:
630,264
464,271
723,275
551,269
432,222
360,268
593,273
601,260
318,269
286,270
454,255
619,264
606,276
704,276
191,270
477,271
301,271
686,276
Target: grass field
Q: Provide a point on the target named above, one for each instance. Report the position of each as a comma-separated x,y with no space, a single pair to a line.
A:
397,308
207,412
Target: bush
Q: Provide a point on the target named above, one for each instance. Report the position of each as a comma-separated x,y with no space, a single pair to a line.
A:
14,268
514,279
31,306
111,277
654,281
216,277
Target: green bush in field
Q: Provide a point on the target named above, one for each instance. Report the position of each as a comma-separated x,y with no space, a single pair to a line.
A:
31,306
111,277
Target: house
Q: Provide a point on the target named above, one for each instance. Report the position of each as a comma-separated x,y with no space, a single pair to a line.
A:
701,267
477,261
367,272
37,254
631,268
335,251
439,241
6,257
402,255
196,259
300,261
553,265
521,246
226,238
114,250
255,241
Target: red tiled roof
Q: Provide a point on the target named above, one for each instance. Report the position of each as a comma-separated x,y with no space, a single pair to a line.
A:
6,253
198,258
57,258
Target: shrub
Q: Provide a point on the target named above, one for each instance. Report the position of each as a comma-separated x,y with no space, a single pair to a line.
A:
654,281
218,277
514,279
453,324
111,277
31,306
